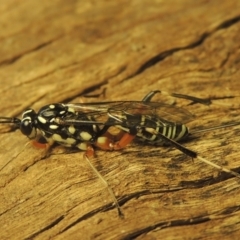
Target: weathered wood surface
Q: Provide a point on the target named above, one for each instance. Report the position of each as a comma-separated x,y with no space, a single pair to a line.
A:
57,51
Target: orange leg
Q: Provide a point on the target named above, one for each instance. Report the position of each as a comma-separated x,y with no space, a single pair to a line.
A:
45,146
37,144
89,152
123,142
114,142
105,183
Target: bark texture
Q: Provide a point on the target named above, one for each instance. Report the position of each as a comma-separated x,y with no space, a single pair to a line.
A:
59,51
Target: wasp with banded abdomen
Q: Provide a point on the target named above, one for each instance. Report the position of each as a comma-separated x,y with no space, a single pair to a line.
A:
88,125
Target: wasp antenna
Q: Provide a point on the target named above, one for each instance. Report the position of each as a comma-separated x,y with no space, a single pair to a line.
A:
215,127
9,120
218,167
223,104
106,185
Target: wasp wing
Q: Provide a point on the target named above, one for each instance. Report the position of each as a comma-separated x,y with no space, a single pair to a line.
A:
107,113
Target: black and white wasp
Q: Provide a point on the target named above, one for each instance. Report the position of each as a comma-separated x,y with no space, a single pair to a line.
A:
88,125
84,125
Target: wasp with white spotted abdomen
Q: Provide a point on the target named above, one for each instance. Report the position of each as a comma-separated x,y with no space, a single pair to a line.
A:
88,125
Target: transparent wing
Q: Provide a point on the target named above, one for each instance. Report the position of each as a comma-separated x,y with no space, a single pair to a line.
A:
100,113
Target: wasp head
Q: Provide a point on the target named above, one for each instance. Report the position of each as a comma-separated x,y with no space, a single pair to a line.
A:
28,124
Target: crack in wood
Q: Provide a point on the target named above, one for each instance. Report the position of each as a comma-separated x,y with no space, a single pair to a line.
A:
229,210
228,23
51,225
86,216
201,183
161,56
181,222
162,225
19,56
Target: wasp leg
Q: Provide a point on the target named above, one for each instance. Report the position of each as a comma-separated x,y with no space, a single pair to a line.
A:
123,142
41,142
45,146
109,141
150,95
104,141
37,144
204,101
90,153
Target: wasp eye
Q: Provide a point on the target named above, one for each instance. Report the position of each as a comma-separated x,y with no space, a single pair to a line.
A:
27,128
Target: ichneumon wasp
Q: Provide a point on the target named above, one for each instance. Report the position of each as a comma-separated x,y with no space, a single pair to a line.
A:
88,125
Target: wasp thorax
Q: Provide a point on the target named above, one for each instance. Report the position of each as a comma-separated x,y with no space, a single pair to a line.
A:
27,124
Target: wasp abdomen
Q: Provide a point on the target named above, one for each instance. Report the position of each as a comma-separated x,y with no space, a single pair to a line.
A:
153,128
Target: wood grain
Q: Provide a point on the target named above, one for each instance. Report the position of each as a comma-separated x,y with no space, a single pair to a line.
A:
59,51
